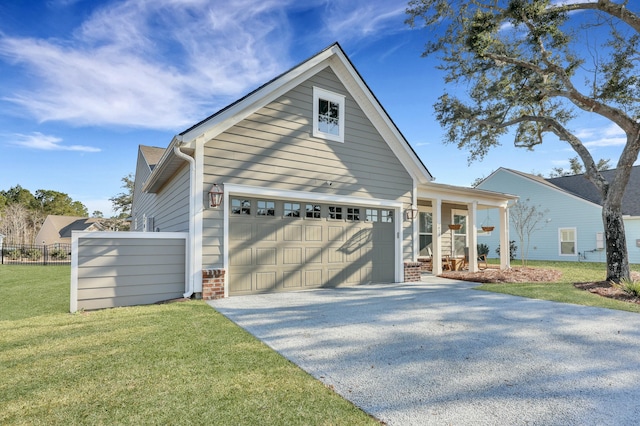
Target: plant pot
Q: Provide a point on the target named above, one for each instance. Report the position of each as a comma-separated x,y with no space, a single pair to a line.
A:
455,226
488,228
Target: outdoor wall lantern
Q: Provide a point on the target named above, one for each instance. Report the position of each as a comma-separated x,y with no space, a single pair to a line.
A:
412,212
215,196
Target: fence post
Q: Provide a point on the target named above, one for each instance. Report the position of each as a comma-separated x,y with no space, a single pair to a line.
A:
44,254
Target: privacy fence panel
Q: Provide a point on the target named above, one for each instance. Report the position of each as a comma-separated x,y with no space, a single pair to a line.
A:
111,269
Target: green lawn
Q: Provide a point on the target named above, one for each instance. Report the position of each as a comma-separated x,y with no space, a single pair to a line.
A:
180,363
563,290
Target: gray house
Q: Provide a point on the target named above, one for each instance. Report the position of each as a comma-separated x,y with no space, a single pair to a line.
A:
305,182
57,229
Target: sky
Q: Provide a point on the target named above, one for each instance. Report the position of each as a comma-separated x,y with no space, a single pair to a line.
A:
84,82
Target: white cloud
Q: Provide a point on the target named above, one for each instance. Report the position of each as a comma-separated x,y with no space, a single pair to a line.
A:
154,64
42,142
568,2
355,19
608,136
164,64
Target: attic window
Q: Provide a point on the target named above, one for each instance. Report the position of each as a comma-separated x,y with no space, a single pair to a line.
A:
328,115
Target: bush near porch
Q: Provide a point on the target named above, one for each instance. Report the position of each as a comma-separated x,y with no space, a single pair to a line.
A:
178,363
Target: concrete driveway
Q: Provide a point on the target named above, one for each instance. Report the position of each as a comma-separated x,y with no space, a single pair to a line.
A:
441,353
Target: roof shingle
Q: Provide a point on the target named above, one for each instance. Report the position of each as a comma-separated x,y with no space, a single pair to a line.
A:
582,187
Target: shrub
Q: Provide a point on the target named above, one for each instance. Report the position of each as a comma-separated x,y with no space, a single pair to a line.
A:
513,249
59,254
629,286
14,254
483,249
33,254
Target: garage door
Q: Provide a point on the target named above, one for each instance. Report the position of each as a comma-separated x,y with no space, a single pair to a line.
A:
279,245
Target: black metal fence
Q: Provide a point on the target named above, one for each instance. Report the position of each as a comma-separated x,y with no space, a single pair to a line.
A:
32,254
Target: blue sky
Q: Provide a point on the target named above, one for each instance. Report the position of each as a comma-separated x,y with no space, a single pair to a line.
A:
84,82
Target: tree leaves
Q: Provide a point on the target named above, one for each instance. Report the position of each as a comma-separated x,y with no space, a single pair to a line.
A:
531,67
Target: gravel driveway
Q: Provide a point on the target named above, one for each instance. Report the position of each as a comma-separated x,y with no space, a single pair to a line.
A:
441,353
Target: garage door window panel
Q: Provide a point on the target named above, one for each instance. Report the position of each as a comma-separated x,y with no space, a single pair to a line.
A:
292,210
335,213
266,208
313,211
353,214
240,206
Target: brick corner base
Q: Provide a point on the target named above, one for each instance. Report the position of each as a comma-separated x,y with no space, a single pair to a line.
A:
212,284
412,272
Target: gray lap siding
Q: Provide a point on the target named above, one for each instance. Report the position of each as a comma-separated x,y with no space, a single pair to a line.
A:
274,148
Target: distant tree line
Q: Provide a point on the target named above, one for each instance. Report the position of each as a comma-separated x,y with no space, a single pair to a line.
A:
22,213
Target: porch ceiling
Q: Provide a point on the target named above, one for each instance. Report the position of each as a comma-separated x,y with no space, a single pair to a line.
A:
463,195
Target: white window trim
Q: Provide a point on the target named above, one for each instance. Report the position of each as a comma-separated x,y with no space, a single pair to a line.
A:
575,241
455,233
421,210
318,94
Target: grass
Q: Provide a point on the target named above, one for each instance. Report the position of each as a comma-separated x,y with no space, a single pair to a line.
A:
180,363
563,290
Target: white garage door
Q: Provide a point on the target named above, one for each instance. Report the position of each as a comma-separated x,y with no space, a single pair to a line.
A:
277,245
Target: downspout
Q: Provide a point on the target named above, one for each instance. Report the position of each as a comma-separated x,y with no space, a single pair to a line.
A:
192,209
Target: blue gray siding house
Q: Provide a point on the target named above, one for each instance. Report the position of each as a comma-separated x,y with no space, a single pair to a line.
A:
572,228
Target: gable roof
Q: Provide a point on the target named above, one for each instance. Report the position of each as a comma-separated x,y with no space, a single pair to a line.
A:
152,155
56,228
582,187
332,56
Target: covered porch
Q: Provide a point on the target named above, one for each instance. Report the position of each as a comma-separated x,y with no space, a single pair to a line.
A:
448,221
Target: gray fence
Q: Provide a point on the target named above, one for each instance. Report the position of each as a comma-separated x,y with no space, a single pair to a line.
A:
33,254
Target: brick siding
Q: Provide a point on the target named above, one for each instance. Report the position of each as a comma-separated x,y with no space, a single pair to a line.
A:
412,272
213,284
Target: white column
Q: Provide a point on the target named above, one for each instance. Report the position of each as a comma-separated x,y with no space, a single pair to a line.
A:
436,261
505,259
472,236
415,226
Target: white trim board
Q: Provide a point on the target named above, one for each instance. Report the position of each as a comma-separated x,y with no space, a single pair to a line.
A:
232,188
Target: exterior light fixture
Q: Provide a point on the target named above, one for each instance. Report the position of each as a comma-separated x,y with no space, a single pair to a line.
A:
412,212
215,196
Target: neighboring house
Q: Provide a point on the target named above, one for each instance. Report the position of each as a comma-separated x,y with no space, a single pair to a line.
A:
572,228
305,182
57,229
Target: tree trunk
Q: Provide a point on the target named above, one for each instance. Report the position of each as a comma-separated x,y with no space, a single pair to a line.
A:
616,240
